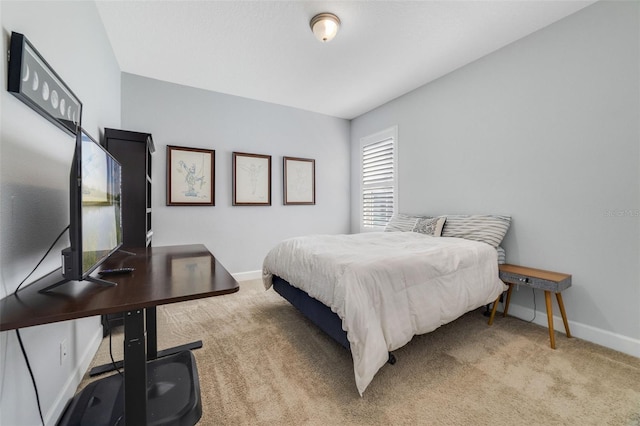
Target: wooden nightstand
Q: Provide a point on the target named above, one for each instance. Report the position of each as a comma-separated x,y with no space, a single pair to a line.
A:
536,278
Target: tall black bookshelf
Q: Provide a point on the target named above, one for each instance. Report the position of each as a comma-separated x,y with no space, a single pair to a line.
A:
133,150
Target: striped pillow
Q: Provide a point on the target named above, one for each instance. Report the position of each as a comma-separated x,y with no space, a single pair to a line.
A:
401,223
502,256
489,229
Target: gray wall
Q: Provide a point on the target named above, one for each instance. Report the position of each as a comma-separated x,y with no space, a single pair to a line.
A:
35,159
239,236
547,131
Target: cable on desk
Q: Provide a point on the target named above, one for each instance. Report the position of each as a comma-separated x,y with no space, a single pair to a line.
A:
33,379
113,362
534,304
42,259
24,352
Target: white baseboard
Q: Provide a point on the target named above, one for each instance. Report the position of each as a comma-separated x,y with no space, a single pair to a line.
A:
618,342
247,276
71,385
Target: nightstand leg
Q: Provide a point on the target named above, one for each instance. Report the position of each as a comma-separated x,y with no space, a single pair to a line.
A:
506,305
547,299
564,314
493,311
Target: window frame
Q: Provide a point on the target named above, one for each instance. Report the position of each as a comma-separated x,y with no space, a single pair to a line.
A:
381,136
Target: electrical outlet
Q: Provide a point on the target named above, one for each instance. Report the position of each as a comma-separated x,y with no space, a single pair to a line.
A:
63,351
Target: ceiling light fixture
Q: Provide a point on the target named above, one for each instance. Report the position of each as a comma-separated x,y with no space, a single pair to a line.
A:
325,26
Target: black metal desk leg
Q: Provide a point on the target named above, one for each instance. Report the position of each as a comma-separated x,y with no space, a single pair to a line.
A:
135,364
152,333
152,345
152,339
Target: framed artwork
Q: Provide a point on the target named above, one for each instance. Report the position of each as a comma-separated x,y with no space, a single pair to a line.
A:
299,181
190,176
34,82
251,179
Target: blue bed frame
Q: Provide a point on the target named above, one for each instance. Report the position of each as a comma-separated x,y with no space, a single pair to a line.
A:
317,312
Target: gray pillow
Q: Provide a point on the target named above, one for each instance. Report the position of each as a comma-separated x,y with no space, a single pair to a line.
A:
489,229
401,223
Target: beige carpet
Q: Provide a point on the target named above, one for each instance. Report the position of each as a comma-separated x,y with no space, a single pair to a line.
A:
264,364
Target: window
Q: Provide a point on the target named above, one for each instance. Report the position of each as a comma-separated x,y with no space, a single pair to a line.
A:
379,187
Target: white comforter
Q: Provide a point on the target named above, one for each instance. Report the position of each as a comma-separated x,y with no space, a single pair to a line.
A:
387,286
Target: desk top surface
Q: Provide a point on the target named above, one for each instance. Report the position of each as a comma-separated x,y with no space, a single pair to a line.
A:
162,275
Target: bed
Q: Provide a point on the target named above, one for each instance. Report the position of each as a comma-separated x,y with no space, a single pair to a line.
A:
372,292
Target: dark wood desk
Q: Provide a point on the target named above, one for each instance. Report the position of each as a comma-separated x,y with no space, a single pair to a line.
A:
162,275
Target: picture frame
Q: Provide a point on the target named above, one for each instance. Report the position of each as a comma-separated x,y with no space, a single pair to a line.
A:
299,180
190,176
32,80
251,179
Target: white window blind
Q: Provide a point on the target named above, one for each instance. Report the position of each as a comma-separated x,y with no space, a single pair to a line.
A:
378,179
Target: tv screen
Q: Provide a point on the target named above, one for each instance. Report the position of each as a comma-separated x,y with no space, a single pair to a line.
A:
100,193
95,228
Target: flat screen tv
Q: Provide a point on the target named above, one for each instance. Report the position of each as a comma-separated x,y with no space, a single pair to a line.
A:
95,228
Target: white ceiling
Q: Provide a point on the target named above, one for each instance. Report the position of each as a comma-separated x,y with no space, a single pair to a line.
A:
265,50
